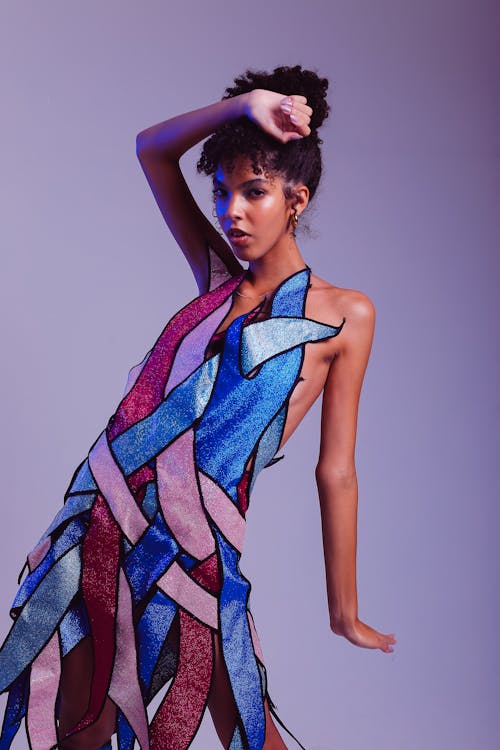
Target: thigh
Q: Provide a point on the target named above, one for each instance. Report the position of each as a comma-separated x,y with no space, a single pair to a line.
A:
223,709
221,700
76,678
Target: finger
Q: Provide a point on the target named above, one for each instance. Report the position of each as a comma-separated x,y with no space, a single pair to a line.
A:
301,124
304,108
299,98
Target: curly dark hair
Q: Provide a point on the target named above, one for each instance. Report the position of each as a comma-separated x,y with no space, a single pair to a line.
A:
298,160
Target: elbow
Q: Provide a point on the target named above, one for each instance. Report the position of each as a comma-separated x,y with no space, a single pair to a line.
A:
139,144
331,475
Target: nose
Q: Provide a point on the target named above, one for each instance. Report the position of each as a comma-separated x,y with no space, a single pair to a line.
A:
233,208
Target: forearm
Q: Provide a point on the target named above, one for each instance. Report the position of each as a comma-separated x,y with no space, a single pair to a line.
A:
171,138
339,504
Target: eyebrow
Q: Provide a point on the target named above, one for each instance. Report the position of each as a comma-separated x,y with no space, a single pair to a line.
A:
258,180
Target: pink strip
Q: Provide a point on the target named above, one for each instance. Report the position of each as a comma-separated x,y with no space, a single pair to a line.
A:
124,689
36,555
255,637
115,491
180,497
223,511
190,353
44,684
182,589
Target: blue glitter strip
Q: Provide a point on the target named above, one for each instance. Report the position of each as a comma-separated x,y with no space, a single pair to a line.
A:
146,438
73,627
238,647
149,559
269,443
71,535
38,619
152,630
15,710
126,736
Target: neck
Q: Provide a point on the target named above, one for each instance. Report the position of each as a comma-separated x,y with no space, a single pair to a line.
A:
266,273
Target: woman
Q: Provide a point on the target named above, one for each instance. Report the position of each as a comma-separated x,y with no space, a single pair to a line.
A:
137,579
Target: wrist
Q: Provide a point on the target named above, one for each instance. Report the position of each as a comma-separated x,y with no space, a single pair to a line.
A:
343,622
242,102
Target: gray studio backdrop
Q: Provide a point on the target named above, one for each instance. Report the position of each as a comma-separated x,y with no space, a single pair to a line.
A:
407,213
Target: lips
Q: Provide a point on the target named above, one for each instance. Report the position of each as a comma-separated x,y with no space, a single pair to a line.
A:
234,232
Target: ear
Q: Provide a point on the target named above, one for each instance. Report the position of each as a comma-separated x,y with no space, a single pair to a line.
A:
300,197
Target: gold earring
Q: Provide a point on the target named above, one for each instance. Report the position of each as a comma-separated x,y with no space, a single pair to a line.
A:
295,219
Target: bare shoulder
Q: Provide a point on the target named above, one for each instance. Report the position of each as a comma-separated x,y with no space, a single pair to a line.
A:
331,304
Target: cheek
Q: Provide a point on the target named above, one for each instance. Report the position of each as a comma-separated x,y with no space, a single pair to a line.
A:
270,212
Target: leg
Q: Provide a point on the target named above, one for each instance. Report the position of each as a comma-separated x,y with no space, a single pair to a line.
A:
223,709
76,678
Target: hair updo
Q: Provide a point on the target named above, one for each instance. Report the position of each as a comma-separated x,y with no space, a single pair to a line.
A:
298,160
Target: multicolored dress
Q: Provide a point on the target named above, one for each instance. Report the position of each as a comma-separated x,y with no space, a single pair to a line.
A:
144,554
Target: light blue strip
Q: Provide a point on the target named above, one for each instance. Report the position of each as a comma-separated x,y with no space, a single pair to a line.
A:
268,338
236,741
145,439
269,443
71,535
84,481
39,618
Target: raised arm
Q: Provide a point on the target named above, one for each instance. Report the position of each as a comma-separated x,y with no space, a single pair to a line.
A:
336,475
160,147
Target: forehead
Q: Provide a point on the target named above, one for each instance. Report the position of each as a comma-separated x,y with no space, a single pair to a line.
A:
242,171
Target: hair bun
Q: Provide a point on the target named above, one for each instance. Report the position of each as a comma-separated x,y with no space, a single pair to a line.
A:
288,81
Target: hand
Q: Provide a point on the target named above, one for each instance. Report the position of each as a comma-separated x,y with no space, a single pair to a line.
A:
363,635
283,117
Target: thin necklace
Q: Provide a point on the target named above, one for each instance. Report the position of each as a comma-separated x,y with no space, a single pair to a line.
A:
252,296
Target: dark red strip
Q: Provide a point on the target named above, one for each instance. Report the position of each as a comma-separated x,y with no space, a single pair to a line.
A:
149,388
180,714
100,587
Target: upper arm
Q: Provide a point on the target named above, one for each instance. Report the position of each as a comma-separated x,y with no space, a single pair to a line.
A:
189,225
343,389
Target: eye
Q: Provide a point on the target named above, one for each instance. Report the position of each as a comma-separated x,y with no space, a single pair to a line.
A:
257,192
218,192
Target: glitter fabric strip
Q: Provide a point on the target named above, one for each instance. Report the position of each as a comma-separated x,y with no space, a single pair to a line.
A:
190,353
223,511
99,586
36,556
143,557
181,711
124,689
236,741
44,684
180,587
15,710
150,385
114,489
39,617
238,648
152,631
265,339
176,475
73,627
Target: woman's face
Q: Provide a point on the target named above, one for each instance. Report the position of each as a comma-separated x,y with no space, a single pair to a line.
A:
255,205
